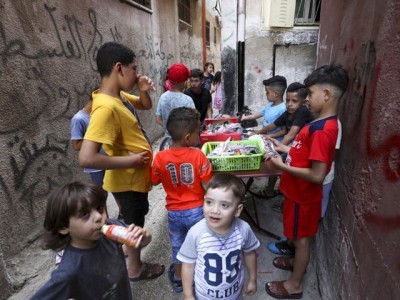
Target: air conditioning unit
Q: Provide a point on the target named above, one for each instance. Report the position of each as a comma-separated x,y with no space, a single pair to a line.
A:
280,13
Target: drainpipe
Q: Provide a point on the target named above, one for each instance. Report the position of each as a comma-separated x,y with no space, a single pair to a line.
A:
241,52
203,21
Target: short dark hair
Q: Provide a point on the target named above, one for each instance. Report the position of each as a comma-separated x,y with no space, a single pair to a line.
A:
299,88
197,73
65,202
332,74
228,181
217,77
208,64
181,121
111,53
276,82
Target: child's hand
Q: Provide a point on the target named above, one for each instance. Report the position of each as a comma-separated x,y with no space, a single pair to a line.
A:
144,83
140,160
137,231
251,287
276,160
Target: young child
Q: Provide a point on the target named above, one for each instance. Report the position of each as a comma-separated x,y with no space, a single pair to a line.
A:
216,248
274,89
291,121
201,96
309,160
115,127
79,125
217,89
93,267
182,169
208,76
177,74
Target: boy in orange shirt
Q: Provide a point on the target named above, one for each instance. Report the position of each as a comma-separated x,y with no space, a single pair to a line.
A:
309,160
182,169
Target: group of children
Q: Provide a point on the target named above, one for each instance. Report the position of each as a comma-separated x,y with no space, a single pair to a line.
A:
210,244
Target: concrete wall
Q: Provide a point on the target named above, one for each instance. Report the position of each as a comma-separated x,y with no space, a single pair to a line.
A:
47,72
295,53
358,246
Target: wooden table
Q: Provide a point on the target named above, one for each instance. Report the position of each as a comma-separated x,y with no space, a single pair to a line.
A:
266,170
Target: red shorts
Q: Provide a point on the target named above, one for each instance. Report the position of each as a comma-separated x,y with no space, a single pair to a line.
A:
300,220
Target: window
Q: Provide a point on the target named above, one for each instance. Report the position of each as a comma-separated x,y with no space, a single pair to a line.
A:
143,4
307,12
215,35
207,34
184,11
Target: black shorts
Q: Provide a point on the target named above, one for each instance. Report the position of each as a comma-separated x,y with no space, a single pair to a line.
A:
134,206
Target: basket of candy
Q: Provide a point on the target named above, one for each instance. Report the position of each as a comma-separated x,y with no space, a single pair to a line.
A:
234,155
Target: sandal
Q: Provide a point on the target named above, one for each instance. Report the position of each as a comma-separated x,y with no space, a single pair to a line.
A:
283,263
281,248
176,283
150,271
277,290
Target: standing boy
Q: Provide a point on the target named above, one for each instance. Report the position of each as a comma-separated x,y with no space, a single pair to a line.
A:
291,121
182,169
201,96
177,75
309,160
217,247
115,127
274,89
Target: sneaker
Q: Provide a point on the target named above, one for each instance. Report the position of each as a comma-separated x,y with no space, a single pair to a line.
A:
176,283
281,247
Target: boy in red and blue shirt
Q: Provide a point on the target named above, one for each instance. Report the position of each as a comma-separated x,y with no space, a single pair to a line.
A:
309,160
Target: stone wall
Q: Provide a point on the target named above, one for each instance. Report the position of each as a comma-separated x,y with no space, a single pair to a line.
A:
47,72
357,248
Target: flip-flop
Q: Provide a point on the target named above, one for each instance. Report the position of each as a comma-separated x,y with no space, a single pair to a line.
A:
283,263
277,290
281,248
150,271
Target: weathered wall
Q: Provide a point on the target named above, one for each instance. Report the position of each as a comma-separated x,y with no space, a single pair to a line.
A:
358,248
47,72
294,55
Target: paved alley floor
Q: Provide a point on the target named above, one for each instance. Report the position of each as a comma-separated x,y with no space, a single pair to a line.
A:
41,263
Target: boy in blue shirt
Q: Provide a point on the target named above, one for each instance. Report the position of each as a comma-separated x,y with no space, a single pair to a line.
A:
274,89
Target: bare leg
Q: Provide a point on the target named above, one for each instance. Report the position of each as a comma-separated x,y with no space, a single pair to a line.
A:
178,269
295,282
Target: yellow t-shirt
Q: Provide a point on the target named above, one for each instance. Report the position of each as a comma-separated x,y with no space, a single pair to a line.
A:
114,126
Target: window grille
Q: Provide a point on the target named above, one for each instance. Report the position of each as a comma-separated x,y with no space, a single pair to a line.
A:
307,12
184,11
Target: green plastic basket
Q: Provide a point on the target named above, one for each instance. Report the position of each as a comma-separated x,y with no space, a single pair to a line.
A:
235,162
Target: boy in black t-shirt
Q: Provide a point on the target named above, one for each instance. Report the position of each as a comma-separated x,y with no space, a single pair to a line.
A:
291,121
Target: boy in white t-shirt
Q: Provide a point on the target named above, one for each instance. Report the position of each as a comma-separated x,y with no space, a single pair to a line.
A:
217,247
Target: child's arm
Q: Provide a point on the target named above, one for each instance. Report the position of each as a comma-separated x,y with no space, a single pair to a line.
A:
251,117
290,136
159,120
276,134
315,174
265,129
89,157
250,261
187,280
144,84
76,144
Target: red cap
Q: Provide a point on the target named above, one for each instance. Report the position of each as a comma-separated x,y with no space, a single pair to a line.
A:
178,73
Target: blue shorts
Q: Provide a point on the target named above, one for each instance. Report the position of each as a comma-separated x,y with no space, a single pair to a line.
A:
179,223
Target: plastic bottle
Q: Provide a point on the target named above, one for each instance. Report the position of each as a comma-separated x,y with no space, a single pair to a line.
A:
120,234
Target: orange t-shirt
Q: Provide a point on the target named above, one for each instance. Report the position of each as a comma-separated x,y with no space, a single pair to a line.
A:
181,172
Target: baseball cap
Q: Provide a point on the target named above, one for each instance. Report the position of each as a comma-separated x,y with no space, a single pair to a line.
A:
178,73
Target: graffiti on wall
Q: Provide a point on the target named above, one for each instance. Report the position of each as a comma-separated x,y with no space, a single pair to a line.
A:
38,102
